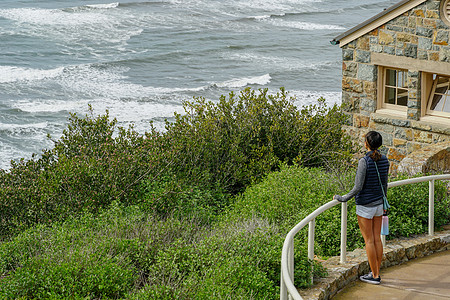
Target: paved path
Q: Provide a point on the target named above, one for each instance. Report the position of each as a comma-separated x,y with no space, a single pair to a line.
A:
426,278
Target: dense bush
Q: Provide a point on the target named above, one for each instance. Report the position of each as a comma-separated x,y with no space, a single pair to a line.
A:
180,256
90,166
125,253
213,151
409,208
242,138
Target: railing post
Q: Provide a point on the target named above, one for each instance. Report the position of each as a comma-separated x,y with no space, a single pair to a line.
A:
291,262
343,232
283,289
431,208
312,225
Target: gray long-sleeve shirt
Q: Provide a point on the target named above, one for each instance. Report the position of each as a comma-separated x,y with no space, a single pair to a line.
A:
359,184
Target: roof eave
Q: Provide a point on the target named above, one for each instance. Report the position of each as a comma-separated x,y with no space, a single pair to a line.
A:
382,18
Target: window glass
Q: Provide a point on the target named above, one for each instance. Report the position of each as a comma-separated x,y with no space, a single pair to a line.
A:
440,100
401,79
390,77
390,95
402,98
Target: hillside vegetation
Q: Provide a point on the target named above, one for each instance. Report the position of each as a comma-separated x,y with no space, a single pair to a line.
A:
198,211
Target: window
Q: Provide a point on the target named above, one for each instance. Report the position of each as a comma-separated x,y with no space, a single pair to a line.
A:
396,91
393,85
439,100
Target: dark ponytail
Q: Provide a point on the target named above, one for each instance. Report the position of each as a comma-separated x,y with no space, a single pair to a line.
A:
374,140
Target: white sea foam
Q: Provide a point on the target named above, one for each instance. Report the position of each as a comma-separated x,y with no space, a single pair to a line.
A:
29,126
77,26
104,6
10,74
303,25
311,97
51,17
242,82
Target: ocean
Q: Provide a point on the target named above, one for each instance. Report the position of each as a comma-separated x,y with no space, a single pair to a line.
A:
141,59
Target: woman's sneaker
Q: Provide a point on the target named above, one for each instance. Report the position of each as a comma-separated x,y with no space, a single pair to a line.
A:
369,279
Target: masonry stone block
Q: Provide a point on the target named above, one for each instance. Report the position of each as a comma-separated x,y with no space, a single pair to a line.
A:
403,37
444,55
413,114
440,24
441,37
349,69
367,72
399,143
376,48
389,50
434,56
413,103
387,138
395,28
352,85
425,43
423,137
361,121
363,56
429,23
363,43
347,54
421,126
412,146
411,50
395,154
432,14
422,31
422,54
386,38
419,13
399,52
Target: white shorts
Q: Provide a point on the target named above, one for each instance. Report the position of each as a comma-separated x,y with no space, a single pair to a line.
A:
369,212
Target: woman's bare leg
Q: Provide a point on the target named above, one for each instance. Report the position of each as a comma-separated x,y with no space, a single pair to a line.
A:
367,231
378,243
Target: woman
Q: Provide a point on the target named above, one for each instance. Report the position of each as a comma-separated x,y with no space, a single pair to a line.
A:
369,201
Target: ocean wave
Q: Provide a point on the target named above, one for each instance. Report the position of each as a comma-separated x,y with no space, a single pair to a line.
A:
303,25
64,17
9,74
279,63
104,6
304,97
22,128
245,81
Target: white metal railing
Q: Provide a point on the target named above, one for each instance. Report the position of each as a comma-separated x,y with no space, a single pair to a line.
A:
287,287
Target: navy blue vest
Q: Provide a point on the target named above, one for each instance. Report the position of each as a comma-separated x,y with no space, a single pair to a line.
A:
371,190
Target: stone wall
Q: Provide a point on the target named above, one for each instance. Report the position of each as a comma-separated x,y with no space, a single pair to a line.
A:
418,34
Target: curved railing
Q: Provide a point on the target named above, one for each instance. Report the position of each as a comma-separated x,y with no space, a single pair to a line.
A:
287,287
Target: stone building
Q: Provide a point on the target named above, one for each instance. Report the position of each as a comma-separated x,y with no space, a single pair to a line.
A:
396,80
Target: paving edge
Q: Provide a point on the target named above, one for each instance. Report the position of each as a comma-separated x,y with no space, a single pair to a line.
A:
394,253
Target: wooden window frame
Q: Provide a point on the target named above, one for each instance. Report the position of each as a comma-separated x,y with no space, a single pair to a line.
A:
382,70
431,94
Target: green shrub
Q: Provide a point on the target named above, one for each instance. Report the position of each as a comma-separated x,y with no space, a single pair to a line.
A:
212,151
88,168
78,277
409,207
242,138
169,195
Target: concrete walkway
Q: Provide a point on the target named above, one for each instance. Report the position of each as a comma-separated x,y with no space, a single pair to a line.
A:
417,267
425,278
